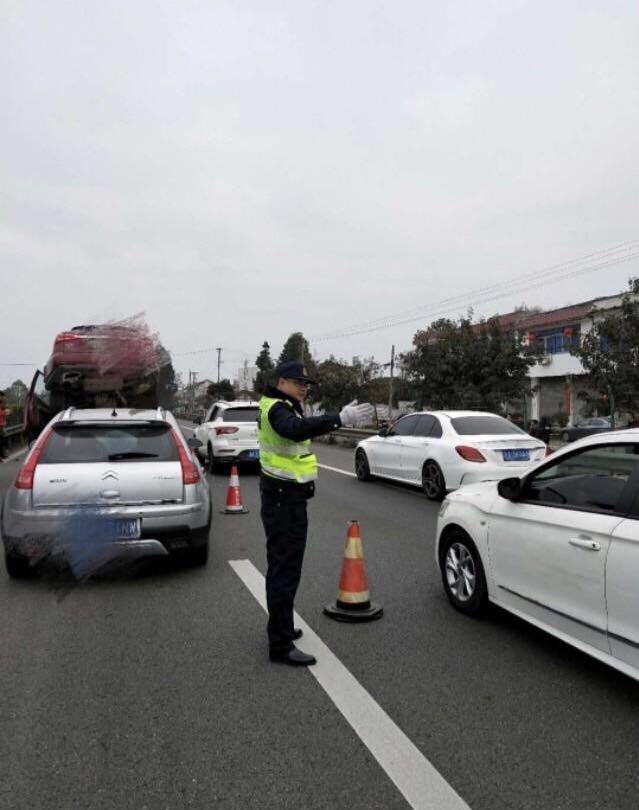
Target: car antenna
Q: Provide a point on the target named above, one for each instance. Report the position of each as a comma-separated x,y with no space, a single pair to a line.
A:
114,412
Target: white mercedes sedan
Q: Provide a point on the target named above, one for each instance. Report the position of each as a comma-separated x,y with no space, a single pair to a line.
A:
558,547
442,450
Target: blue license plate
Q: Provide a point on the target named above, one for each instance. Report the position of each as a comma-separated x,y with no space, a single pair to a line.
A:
516,455
253,454
121,528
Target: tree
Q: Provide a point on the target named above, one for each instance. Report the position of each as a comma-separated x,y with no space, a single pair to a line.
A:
610,354
338,384
459,364
16,394
297,348
221,390
265,367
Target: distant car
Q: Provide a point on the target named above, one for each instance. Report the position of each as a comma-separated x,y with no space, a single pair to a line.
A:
442,450
229,434
125,478
587,427
557,546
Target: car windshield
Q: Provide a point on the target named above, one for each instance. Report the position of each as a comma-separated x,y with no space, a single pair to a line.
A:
240,415
72,444
483,425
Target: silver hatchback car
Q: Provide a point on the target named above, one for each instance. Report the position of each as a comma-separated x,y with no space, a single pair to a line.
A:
101,484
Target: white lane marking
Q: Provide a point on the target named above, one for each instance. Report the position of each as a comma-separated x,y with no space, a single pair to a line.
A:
337,470
423,787
17,454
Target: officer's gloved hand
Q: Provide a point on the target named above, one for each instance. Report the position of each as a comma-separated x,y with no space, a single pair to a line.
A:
353,414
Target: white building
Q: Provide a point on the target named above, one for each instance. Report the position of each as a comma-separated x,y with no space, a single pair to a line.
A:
558,378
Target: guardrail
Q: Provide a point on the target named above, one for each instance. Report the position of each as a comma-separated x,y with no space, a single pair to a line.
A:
14,435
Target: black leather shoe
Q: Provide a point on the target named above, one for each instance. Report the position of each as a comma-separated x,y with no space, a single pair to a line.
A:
297,633
294,657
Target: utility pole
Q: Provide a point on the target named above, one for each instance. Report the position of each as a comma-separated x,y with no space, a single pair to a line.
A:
390,385
219,361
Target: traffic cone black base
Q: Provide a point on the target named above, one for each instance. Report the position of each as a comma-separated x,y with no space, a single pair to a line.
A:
354,614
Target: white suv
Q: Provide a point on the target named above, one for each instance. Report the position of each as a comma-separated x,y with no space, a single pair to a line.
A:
229,433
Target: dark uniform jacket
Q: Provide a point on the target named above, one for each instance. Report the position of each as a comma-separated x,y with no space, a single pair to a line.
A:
287,418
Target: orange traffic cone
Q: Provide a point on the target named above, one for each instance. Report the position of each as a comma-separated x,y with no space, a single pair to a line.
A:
234,505
353,602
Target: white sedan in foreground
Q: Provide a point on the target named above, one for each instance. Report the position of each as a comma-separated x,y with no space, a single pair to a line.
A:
558,547
442,450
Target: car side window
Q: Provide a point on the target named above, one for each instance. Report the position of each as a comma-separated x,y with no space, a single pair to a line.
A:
424,425
591,480
405,426
436,432
40,390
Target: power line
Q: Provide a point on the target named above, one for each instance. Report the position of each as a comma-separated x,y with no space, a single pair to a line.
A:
442,310
620,254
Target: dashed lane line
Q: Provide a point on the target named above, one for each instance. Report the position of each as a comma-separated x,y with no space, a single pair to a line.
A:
423,787
337,470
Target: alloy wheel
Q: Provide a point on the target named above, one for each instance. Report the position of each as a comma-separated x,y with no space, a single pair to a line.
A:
432,481
460,572
362,470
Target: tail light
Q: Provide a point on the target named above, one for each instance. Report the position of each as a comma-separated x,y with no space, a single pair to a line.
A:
27,472
222,431
190,472
469,453
548,451
66,340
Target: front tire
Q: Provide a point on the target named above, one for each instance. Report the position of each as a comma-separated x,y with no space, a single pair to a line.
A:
463,574
362,467
433,482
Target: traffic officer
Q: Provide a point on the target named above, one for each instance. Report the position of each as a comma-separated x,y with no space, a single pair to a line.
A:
287,481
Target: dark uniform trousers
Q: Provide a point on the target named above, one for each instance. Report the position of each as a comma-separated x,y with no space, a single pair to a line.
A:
285,524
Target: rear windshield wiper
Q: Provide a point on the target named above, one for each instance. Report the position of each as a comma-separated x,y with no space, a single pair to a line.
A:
130,454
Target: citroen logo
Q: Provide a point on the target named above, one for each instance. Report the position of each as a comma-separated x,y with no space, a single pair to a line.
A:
110,474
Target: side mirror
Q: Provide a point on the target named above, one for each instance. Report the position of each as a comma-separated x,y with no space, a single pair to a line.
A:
197,420
194,443
509,488
383,431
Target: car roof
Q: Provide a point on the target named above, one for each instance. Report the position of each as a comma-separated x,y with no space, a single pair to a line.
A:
115,415
456,414
237,403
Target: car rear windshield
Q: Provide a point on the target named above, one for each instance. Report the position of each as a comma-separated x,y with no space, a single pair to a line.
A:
240,415
71,444
483,425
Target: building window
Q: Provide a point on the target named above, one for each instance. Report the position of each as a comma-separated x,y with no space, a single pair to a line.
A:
559,340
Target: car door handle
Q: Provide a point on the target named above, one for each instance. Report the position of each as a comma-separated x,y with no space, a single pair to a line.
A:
585,542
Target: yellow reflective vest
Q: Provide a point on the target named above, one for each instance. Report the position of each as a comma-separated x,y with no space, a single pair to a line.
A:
280,457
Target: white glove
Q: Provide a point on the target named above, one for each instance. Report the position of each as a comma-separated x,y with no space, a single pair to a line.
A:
353,414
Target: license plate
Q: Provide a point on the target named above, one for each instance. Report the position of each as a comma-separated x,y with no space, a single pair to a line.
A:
516,455
253,454
121,529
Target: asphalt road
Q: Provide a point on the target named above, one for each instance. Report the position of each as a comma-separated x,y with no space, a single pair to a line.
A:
152,688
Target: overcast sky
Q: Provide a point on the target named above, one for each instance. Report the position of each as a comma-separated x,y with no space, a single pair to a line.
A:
241,170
